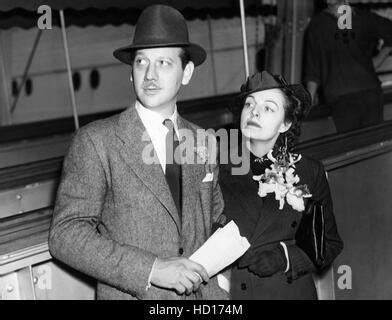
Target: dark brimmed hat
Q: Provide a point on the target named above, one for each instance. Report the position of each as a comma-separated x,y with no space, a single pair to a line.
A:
161,26
266,81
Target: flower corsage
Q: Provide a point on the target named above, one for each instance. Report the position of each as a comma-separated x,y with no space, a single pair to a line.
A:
281,179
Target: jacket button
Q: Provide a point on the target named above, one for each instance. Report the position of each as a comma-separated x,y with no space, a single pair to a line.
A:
180,251
243,286
294,224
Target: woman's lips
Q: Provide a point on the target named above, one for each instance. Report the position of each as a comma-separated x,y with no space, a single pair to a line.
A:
253,123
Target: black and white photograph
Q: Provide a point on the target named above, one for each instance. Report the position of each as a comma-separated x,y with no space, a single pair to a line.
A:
209,152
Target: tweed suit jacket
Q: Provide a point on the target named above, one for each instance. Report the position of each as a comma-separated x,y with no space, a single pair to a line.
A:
114,214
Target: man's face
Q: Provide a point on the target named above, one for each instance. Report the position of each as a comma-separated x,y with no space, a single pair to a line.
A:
157,76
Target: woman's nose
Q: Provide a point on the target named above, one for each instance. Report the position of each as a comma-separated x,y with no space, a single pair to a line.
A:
255,113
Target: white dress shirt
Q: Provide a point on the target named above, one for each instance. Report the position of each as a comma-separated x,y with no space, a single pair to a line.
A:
157,131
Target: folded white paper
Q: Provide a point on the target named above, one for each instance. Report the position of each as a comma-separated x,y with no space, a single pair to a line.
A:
224,247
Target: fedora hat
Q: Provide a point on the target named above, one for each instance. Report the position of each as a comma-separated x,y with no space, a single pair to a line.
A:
266,81
161,26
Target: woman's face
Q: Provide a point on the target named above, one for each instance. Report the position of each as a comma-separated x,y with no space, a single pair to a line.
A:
263,114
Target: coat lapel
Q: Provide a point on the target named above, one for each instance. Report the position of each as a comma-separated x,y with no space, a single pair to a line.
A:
256,210
131,132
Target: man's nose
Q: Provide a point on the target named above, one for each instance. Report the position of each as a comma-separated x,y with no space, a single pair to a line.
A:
151,73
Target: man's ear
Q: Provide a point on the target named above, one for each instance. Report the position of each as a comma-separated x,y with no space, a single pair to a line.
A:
188,71
131,76
284,127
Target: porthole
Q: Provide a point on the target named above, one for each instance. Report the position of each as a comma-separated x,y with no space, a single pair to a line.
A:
77,80
14,88
94,79
28,86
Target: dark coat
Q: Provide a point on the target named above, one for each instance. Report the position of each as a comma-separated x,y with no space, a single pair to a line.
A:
261,221
114,214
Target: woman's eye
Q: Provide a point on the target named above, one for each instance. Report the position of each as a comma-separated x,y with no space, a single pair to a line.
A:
248,105
268,109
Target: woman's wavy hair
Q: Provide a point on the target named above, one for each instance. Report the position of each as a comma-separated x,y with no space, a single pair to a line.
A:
297,106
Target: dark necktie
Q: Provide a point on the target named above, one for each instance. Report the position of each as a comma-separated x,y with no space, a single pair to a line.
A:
173,169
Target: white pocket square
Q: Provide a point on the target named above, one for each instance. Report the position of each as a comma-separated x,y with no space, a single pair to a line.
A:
209,177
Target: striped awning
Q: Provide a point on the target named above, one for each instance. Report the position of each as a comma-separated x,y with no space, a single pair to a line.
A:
370,1
23,13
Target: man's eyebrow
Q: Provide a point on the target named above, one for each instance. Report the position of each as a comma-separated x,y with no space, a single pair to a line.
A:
166,57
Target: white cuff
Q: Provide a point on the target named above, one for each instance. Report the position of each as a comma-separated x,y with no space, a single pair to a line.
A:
286,253
149,277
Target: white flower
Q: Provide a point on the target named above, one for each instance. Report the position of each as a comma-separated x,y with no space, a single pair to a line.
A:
202,152
294,158
296,202
281,180
265,188
257,178
291,178
280,193
271,157
295,197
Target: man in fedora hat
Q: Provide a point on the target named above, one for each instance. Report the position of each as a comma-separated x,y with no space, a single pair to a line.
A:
127,223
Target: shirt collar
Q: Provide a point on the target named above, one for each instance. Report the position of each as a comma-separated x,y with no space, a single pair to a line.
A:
151,119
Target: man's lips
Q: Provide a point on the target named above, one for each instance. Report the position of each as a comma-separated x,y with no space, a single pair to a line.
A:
151,88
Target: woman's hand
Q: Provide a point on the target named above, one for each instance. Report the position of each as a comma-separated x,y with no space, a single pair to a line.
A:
266,263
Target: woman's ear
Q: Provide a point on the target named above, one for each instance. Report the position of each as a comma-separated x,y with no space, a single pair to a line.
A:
284,127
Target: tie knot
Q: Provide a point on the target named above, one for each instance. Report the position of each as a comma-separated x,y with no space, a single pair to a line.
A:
168,124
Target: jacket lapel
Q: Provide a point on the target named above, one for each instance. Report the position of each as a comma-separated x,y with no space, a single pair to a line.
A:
134,141
255,210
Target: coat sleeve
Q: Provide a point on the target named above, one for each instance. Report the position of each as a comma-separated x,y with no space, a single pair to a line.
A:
300,264
74,236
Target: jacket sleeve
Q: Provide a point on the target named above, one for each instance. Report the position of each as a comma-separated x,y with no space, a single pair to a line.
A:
300,264
218,218
74,236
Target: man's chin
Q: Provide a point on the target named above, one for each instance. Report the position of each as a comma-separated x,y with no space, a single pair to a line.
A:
155,106
151,102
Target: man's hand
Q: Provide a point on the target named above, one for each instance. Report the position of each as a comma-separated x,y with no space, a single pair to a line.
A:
180,274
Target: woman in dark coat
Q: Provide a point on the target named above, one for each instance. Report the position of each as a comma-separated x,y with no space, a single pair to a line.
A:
269,201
